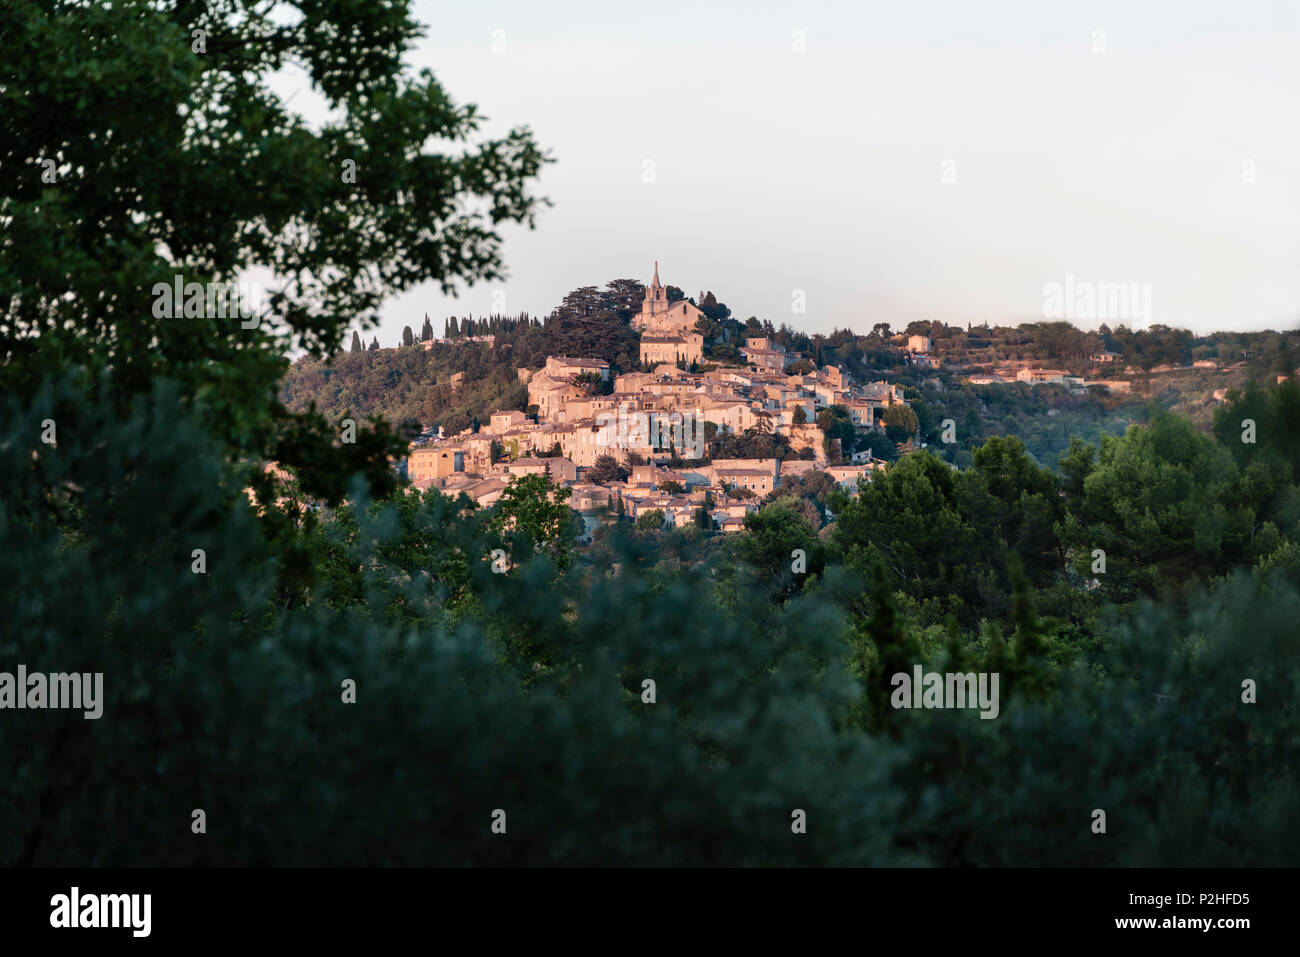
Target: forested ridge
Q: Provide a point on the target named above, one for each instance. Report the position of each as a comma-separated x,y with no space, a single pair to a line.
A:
409,383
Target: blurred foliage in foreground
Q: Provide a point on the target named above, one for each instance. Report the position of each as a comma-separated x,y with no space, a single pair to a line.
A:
523,691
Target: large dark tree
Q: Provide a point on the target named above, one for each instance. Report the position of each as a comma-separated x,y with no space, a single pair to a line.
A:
593,322
605,470
1165,505
931,528
141,144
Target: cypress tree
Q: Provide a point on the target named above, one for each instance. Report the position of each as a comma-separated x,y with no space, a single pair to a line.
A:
957,657
997,659
896,651
356,341
1030,643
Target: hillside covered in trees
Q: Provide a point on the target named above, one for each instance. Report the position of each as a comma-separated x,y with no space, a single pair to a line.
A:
414,383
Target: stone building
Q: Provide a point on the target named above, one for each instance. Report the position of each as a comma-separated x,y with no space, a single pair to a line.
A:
434,463
685,347
765,354
658,317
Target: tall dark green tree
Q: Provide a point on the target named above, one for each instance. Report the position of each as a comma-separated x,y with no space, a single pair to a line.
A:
1163,506
931,528
183,165
781,550
889,650
900,422
1030,672
605,470
1024,503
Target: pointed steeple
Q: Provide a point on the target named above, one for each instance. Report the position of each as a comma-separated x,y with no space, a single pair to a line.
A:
656,300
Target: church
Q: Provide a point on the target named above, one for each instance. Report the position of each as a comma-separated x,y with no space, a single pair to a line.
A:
658,318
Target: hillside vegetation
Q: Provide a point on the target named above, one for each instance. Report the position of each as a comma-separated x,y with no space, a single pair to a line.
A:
410,383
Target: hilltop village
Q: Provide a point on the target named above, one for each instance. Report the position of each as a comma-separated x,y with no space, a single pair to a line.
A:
640,400
634,443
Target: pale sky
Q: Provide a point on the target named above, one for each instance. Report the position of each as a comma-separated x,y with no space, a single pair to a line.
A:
920,160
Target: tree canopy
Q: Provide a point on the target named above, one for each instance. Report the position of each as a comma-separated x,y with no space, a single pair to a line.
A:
141,145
